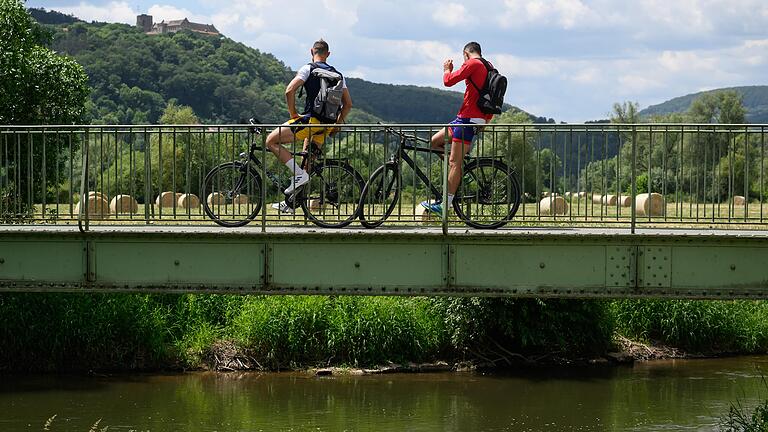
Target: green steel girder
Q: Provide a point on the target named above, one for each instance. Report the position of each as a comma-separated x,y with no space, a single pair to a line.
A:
513,264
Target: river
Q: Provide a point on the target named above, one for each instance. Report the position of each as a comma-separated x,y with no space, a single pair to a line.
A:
673,395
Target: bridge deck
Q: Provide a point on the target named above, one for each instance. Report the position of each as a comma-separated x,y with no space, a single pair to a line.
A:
551,262
183,230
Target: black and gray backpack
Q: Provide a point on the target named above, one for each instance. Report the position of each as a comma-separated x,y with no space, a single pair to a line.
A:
491,99
327,104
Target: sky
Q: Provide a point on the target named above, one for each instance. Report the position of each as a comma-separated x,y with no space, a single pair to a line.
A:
565,59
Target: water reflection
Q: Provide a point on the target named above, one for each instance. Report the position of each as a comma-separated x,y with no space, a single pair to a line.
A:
671,395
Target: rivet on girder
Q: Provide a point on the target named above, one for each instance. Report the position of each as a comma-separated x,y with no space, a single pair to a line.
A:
542,265
176,262
733,266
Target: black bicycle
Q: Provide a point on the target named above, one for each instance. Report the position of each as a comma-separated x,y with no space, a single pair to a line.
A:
232,191
487,198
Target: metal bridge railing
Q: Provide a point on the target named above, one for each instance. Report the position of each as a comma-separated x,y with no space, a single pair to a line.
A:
600,174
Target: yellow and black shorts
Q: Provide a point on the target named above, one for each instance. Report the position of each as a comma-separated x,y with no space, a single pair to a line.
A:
302,132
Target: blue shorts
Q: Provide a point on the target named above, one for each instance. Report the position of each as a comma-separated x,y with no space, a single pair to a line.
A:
463,134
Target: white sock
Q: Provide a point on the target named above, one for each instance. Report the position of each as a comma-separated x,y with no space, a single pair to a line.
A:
449,201
294,167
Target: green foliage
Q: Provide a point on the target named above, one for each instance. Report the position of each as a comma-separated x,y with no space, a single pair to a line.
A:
703,326
722,107
494,326
519,151
134,331
37,86
755,100
739,419
626,112
289,331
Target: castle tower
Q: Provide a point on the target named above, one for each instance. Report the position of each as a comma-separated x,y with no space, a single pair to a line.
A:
144,22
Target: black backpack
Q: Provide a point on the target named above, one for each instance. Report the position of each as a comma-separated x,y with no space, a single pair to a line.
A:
491,100
327,103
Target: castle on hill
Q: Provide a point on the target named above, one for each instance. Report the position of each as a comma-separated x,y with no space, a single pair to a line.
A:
144,22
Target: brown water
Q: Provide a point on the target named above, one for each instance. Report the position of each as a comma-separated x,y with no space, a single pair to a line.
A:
657,396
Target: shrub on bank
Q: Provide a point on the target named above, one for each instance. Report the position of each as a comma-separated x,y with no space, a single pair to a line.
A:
294,331
137,331
696,325
496,325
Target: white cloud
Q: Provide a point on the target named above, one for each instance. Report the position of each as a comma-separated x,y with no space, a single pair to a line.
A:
565,14
168,13
110,12
450,15
517,67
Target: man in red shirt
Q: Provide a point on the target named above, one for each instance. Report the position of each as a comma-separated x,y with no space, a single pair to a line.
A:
473,72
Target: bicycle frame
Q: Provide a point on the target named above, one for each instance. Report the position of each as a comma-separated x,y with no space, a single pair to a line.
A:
401,154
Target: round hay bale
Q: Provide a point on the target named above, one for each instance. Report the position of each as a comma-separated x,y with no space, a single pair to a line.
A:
314,205
625,200
216,199
123,204
553,206
609,200
98,208
649,204
568,195
582,194
188,201
241,199
597,199
739,200
166,200
98,194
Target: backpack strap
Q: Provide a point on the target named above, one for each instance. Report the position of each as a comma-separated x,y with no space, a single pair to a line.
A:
488,69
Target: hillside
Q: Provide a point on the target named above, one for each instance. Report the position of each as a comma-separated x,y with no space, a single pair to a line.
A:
134,76
755,101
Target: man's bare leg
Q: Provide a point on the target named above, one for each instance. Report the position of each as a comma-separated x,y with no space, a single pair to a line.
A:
276,139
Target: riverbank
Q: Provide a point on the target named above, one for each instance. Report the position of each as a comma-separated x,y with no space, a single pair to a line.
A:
130,332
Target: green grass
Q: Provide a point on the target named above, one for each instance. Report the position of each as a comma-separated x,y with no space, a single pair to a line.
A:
57,332
696,325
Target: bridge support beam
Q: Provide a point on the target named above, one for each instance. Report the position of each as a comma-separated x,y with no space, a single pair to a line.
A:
570,264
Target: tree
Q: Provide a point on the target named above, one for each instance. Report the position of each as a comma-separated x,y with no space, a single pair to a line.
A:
626,112
37,86
724,107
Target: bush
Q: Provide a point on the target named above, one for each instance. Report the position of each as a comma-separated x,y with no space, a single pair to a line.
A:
697,325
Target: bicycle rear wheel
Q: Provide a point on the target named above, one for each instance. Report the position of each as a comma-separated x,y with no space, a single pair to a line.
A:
379,196
332,196
488,196
232,194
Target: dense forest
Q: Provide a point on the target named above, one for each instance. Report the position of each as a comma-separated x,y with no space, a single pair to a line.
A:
134,76
754,98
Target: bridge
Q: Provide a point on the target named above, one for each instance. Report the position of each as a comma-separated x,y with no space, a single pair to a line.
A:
587,227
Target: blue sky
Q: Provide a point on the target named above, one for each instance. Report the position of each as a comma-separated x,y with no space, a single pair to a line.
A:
567,59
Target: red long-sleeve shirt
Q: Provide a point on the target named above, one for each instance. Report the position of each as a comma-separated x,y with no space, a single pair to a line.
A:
474,69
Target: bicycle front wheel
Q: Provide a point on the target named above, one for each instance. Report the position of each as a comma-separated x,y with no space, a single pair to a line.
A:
232,194
488,196
332,196
379,196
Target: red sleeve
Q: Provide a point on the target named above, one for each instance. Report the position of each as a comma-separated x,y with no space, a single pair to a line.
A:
452,78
